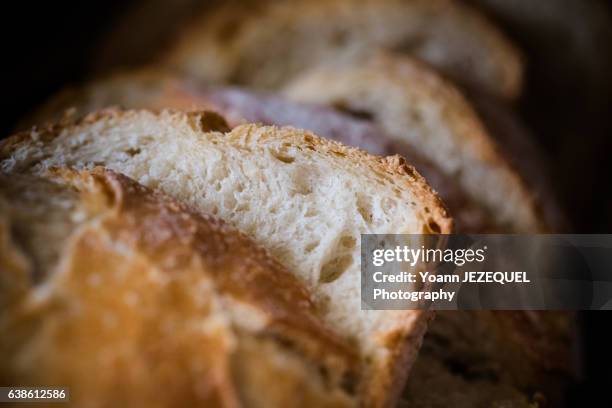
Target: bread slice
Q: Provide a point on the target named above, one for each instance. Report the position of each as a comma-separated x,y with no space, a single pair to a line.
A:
499,132
416,106
419,108
522,150
305,199
154,89
267,43
131,299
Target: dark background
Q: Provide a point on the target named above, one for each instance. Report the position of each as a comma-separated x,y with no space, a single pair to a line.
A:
567,104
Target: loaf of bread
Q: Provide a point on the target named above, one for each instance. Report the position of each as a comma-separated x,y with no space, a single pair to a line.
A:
129,298
519,348
305,199
263,44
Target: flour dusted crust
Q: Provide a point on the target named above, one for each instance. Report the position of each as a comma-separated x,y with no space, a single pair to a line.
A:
264,44
389,346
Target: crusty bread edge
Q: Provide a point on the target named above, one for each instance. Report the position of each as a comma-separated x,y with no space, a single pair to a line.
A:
509,66
402,350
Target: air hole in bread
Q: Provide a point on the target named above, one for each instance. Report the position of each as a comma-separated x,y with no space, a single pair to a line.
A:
388,205
349,382
334,268
348,241
302,188
301,182
133,151
311,247
364,206
432,227
229,201
311,212
213,122
242,207
283,157
343,107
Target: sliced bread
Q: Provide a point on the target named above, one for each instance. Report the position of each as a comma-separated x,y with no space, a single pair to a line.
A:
519,348
130,299
149,89
305,199
416,106
263,44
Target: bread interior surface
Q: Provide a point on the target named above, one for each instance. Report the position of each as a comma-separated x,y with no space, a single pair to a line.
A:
143,292
305,199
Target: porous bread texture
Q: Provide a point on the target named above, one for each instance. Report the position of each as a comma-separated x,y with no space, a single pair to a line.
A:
414,105
305,199
154,89
146,89
166,307
265,45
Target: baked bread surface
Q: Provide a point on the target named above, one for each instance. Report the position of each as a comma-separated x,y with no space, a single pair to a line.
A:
414,105
264,44
157,90
131,299
305,199
520,347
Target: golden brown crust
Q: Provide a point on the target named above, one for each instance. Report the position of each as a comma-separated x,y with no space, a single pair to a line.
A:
432,211
169,234
402,173
155,261
429,211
